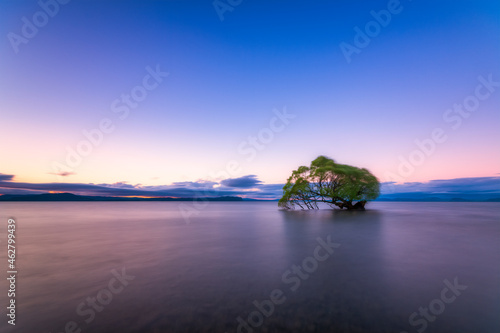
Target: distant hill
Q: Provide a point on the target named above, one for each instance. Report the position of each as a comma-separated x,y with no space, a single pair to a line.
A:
74,197
408,197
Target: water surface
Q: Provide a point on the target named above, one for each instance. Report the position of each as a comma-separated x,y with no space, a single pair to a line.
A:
201,275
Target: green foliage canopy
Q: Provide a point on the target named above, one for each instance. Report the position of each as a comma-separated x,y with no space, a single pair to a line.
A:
325,181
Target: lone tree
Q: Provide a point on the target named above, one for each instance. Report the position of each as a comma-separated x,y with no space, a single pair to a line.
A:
325,181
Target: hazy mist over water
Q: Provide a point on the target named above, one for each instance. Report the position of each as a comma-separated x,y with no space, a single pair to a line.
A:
200,276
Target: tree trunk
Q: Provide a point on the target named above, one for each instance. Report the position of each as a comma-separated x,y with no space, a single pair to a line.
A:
360,205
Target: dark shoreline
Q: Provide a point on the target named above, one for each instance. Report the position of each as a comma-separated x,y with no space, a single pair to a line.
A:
74,197
58,197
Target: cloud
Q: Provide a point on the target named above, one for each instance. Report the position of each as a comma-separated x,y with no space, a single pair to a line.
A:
121,185
246,187
457,185
200,184
183,190
242,182
20,191
4,177
62,173
250,187
110,189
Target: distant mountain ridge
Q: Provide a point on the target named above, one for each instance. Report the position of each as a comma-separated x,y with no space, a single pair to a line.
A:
403,197
75,197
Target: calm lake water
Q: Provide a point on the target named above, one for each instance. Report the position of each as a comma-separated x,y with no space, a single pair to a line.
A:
385,264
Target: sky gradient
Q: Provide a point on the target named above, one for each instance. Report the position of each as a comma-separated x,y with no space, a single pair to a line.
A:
168,93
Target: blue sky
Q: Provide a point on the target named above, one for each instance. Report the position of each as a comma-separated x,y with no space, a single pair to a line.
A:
226,80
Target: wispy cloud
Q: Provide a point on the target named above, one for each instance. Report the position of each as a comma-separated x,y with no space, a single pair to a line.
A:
63,173
4,177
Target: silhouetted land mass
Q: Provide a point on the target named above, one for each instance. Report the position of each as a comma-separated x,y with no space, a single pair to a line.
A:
74,197
403,197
